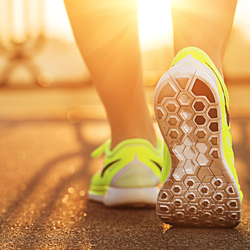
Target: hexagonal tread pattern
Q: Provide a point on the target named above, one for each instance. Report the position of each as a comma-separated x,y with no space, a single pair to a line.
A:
199,191
167,91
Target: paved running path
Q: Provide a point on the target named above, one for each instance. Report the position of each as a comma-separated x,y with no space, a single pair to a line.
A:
44,176
45,171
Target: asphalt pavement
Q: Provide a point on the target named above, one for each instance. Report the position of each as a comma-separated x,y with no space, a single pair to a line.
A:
45,170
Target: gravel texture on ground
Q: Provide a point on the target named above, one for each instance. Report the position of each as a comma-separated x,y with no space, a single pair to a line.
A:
44,176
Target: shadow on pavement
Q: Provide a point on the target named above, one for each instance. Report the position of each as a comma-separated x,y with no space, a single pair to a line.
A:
53,211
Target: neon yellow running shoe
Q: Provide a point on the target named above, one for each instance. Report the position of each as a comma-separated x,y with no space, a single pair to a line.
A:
200,182
130,174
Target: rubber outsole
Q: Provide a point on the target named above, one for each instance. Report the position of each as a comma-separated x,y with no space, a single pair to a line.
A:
200,189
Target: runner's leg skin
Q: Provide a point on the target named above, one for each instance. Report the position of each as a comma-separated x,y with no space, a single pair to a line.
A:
200,186
203,24
107,35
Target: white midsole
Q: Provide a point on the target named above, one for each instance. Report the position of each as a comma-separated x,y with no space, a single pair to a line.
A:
125,196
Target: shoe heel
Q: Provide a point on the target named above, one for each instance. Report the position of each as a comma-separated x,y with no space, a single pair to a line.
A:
200,189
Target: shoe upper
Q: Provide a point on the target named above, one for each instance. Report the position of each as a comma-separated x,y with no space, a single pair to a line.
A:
131,164
197,57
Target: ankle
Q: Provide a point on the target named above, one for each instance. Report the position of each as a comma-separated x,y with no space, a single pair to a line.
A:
218,65
149,135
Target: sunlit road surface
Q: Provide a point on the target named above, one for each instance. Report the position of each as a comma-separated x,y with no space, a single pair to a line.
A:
45,141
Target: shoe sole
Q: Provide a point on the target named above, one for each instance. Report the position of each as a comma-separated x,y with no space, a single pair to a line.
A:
133,197
200,189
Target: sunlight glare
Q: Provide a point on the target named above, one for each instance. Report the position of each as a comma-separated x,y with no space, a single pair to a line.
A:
242,20
154,17
155,23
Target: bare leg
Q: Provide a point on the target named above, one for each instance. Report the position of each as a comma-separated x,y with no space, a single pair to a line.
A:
107,35
203,24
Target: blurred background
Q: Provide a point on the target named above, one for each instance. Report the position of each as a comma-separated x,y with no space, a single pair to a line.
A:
38,57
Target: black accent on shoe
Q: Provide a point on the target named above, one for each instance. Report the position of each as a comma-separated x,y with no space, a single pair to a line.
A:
109,165
157,164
